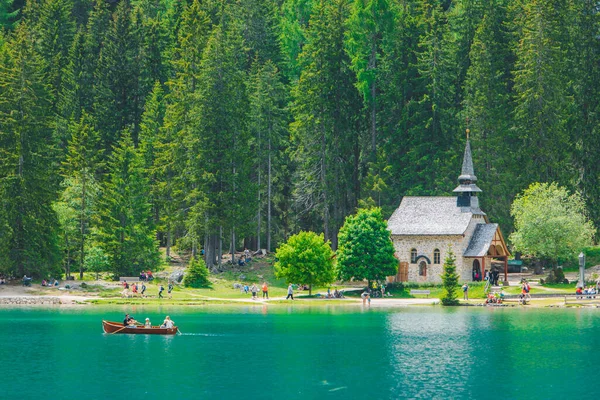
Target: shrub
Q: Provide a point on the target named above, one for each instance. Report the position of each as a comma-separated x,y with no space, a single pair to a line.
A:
196,275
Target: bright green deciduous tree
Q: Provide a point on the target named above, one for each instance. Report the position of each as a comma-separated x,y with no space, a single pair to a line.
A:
450,280
96,261
196,275
365,247
306,259
550,222
67,220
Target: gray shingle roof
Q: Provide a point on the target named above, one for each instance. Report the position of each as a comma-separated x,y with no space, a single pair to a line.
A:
481,240
429,216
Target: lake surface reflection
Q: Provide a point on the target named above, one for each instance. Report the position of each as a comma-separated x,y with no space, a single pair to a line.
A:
302,352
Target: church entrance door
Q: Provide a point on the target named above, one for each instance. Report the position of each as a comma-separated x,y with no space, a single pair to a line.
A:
402,272
476,271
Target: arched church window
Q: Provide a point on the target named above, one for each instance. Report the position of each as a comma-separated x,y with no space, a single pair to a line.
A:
413,256
436,256
422,268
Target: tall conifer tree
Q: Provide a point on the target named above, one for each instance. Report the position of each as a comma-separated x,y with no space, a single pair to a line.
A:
268,126
541,93
124,226
81,167
327,123
27,185
220,138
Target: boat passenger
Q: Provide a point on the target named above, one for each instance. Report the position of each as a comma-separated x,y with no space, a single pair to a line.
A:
127,320
167,323
148,324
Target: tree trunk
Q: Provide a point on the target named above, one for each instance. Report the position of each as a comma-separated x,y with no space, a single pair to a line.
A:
220,255
169,243
259,214
68,265
233,246
82,229
310,290
324,184
269,179
537,267
373,123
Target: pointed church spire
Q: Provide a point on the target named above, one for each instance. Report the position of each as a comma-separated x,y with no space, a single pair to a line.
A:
468,172
467,189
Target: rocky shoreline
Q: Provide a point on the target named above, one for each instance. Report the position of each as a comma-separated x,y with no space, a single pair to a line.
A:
30,300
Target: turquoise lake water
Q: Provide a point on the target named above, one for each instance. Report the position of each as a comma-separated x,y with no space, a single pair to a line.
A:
302,352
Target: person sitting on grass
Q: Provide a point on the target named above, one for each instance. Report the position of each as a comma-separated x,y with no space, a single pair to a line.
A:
578,292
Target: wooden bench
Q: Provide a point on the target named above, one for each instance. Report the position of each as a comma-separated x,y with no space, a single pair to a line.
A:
580,298
129,278
415,291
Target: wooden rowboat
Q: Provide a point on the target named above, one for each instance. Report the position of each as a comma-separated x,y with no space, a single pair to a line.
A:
117,327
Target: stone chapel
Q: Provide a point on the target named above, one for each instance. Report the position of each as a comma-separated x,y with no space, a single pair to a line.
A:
424,228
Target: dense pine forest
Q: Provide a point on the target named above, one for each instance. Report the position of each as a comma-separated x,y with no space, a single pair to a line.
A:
211,124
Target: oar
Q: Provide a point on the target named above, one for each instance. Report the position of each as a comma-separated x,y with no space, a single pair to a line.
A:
179,331
112,333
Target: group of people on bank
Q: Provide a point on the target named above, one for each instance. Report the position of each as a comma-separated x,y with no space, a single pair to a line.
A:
589,292
130,322
254,290
146,276
134,289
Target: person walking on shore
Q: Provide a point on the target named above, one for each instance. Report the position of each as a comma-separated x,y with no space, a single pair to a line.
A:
364,296
265,290
170,289
465,289
160,290
290,292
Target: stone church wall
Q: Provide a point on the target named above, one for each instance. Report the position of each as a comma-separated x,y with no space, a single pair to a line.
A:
426,244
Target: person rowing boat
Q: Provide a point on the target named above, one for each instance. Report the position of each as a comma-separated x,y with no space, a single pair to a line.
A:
129,322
